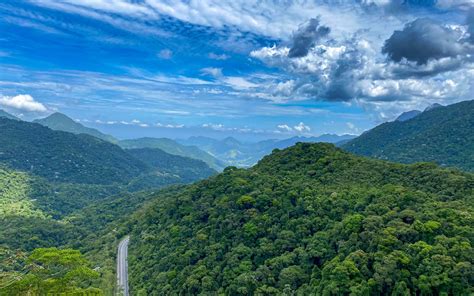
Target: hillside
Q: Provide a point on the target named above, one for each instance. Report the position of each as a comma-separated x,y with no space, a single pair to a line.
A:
440,134
64,157
16,189
173,147
243,154
185,168
310,220
61,122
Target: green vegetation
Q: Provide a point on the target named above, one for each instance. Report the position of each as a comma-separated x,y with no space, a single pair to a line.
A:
15,191
64,157
173,147
54,272
310,220
61,122
185,169
443,135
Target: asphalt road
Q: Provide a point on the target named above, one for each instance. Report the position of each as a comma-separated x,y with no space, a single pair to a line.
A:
122,267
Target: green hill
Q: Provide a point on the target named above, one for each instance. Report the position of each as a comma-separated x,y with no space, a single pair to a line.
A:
16,189
443,135
64,157
60,122
173,147
310,220
186,169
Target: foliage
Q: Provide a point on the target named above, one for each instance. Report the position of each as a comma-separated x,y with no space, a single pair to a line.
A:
310,220
173,147
15,191
55,272
442,135
184,169
64,157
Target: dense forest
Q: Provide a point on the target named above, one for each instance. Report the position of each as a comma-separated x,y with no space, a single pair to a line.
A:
443,135
310,219
64,157
173,147
58,189
184,168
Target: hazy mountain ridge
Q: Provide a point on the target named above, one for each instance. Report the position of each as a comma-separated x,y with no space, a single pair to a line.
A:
244,154
60,122
5,114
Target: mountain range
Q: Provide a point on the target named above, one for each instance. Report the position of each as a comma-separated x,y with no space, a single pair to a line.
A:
172,147
439,134
306,219
242,154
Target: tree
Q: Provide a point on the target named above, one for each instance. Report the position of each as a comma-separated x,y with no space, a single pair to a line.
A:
54,271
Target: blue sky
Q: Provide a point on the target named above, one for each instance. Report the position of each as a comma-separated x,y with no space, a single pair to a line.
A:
250,69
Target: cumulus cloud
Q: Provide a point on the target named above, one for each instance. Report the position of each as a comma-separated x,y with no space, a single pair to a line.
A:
301,127
423,40
23,102
305,37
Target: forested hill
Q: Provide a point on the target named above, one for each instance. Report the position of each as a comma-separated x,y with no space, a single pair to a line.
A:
443,135
64,157
173,147
60,122
187,169
310,220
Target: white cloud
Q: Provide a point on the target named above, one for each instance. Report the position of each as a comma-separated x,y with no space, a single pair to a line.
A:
214,72
239,83
159,124
23,102
285,127
301,127
219,57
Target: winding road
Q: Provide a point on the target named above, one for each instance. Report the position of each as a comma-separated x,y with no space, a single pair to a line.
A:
122,267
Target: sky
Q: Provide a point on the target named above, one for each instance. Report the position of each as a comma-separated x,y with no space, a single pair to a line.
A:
249,69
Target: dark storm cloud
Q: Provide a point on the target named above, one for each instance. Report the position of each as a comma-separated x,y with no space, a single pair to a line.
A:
306,36
421,41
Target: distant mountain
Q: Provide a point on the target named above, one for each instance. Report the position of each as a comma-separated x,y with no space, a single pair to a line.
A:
64,157
308,220
175,148
441,134
433,106
60,122
244,154
408,115
5,114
